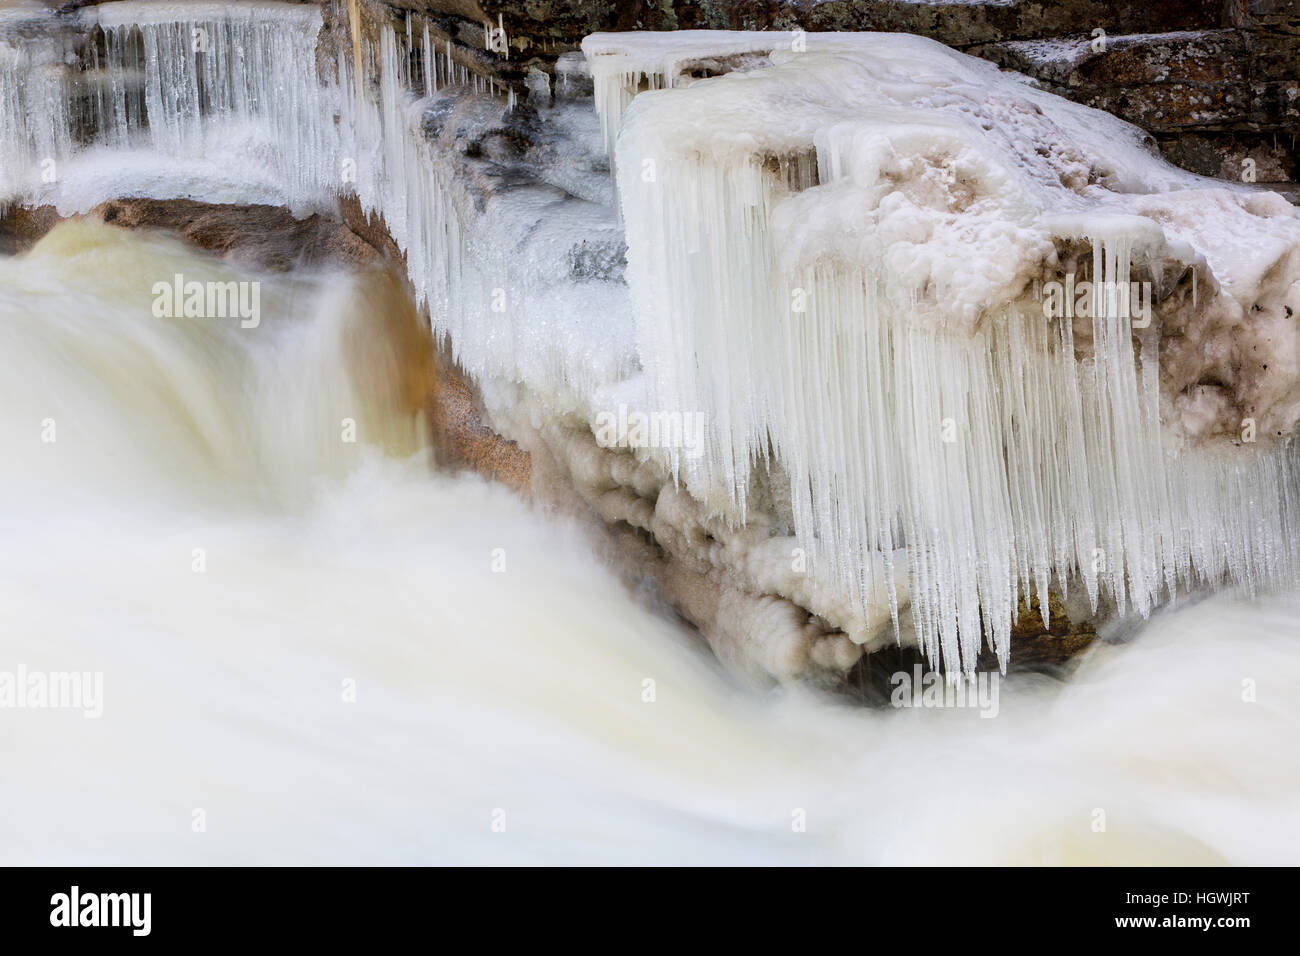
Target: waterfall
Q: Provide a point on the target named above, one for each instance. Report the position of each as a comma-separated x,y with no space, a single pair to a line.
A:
35,129
852,254
833,242
328,566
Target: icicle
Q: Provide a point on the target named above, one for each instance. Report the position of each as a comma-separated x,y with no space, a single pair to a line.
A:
430,68
619,68
200,71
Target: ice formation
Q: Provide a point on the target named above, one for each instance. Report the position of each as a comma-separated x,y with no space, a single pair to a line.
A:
234,103
188,82
834,257
840,252
497,292
620,70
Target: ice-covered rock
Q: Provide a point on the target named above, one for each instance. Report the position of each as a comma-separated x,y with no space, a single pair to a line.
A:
855,258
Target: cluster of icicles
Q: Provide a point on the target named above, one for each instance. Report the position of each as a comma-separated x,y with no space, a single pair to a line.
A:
987,456
193,80
1054,473
175,79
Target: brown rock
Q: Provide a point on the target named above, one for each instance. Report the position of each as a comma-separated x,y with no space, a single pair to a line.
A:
1177,106
22,227
268,237
370,228
1222,154
1275,15
1035,647
459,437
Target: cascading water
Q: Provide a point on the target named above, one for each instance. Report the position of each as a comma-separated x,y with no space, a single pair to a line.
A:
327,565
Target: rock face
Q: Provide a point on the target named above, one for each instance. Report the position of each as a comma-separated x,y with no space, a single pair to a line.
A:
267,237
460,438
956,23
22,227
1220,102
1216,83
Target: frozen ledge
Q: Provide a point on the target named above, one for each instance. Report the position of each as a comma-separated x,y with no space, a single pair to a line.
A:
852,256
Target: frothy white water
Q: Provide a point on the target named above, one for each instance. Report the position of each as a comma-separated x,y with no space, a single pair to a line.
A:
480,691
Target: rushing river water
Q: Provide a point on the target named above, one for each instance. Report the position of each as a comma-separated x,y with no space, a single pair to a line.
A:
317,650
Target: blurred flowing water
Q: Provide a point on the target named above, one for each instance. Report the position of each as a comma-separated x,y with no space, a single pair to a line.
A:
338,654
